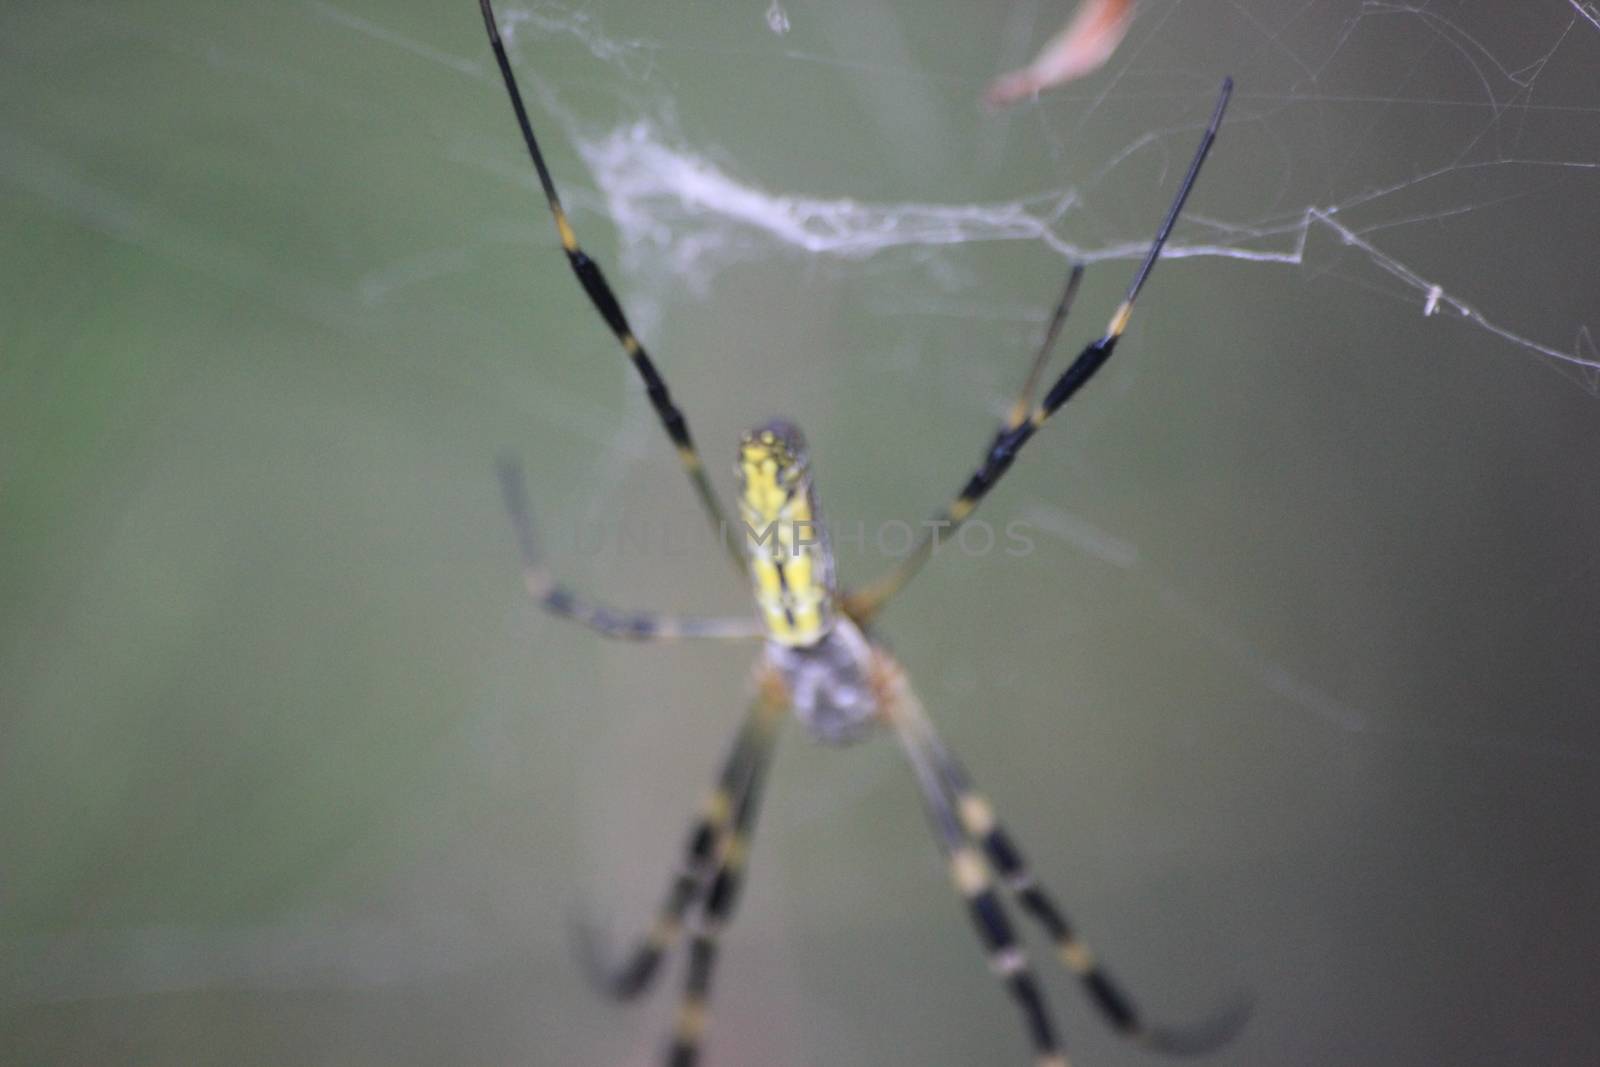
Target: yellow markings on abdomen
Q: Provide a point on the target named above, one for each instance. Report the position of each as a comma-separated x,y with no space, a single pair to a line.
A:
789,559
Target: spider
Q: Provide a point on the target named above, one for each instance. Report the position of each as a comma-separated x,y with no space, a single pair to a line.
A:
821,662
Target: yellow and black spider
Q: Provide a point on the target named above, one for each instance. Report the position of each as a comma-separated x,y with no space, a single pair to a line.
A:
820,662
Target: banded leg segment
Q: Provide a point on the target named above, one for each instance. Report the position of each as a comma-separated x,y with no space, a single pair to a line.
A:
609,307
1023,407
722,896
1022,424
556,599
701,853
979,824
970,875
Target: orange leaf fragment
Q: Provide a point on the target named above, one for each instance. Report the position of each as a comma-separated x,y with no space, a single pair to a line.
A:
1088,40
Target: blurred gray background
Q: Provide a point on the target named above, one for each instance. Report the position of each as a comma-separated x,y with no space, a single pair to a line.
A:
1295,694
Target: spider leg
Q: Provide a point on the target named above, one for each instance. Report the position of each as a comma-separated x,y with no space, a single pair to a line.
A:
979,823
559,601
701,851
971,877
609,307
863,605
1023,406
722,894
631,978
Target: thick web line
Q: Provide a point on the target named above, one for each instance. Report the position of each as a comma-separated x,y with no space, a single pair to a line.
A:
680,209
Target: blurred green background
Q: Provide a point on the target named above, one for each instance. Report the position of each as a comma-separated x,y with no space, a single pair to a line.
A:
1295,695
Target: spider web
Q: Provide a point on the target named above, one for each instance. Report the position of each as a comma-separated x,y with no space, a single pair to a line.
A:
1430,166
1432,156
1497,108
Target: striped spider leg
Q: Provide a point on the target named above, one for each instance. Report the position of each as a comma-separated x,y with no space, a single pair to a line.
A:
969,874
721,892
609,307
1025,417
977,847
563,603
708,882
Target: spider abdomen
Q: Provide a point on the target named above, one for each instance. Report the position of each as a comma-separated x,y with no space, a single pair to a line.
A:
785,536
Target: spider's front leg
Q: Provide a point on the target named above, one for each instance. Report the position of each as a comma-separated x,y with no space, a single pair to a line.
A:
981,826
968,871
722,892
703,893
701,850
